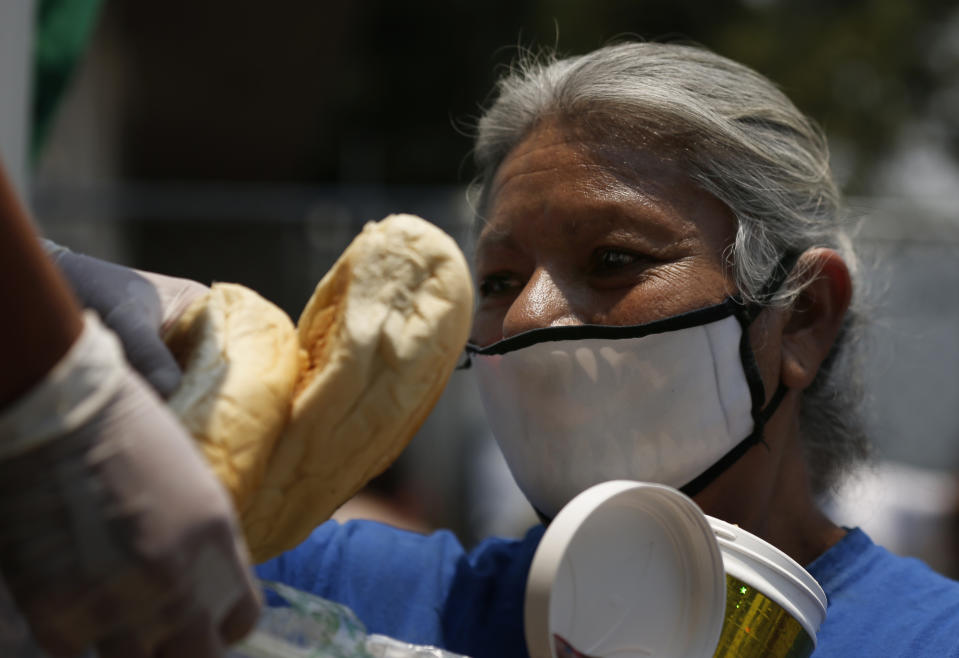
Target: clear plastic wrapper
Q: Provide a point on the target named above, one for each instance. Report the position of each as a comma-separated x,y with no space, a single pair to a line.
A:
311,627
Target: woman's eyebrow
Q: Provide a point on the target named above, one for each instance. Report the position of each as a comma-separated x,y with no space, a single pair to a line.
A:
647,225
642,220
495,239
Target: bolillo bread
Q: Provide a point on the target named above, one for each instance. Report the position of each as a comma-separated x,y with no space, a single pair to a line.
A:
374,348
382,332
240,358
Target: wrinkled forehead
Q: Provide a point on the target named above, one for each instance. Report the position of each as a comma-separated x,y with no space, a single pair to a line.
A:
643,179
613,142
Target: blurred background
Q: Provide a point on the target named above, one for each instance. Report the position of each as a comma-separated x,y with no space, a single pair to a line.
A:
248,141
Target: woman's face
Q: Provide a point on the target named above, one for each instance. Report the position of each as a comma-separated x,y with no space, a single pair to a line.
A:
583,232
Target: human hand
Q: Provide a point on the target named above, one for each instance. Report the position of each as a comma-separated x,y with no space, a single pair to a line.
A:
113,531
139,306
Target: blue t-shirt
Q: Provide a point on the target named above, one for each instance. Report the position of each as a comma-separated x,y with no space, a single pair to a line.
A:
428,590
882,604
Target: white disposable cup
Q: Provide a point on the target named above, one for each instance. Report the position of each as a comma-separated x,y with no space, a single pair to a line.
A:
772,573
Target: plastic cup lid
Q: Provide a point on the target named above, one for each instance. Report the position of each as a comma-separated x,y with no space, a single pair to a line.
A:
626,569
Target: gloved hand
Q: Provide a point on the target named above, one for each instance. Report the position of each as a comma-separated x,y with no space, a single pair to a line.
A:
113,531
137,305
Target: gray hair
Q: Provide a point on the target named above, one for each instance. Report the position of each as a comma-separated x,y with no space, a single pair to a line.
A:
742,140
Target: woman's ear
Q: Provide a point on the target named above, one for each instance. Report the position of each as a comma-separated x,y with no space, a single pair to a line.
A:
816,316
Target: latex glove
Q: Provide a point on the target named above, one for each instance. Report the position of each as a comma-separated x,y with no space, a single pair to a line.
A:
113,531
139,306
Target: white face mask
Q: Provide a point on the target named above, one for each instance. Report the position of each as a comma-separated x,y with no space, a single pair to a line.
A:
673,401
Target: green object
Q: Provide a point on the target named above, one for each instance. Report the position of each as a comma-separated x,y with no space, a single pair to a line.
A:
755,625
63,31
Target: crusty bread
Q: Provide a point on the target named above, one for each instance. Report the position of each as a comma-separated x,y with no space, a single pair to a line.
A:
240,358
374,348
383,332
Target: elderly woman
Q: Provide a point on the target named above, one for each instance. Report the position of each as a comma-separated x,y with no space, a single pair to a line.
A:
660,190
667,205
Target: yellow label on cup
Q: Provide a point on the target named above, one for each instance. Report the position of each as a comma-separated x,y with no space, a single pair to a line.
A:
755,625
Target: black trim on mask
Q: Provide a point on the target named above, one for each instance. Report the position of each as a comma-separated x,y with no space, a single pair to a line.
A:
695,318
757,392
746,314
705,478
753,377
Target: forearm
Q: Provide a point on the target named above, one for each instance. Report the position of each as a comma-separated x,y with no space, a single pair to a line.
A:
42,317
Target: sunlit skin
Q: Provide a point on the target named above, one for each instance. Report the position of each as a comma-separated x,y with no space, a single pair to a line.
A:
582,232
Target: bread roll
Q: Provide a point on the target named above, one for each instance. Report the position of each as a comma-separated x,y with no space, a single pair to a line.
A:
296,422
240,358
383,332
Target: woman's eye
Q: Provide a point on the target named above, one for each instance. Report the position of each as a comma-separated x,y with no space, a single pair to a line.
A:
613,259
496,284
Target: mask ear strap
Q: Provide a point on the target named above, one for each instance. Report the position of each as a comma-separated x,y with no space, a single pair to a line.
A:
704,479
770,408
761,415
777,278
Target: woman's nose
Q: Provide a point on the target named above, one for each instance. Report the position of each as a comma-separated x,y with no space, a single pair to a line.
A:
541,303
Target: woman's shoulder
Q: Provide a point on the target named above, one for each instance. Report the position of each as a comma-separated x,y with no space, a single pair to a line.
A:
856,565
369,545
884,604
380,551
